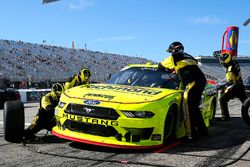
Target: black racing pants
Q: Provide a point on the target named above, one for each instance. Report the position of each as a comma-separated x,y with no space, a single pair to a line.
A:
238,91
196,120
43,120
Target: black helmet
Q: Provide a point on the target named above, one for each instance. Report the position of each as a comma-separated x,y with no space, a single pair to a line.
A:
175,48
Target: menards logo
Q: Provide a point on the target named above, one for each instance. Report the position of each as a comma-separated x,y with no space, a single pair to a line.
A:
90,120
129,89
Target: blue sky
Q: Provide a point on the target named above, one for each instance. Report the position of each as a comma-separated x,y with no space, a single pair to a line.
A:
142,28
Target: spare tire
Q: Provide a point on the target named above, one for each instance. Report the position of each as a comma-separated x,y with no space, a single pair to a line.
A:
13,116
245,111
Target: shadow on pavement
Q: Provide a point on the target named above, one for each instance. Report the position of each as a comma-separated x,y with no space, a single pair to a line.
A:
89,147
48,139
222,136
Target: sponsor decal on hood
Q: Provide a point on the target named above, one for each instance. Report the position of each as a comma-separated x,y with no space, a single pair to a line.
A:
128,89
117,94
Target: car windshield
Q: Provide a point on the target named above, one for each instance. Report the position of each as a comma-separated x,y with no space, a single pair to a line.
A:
146,77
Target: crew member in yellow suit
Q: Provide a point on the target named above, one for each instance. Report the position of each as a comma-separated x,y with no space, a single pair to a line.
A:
233,86
45,116
194,82
80,79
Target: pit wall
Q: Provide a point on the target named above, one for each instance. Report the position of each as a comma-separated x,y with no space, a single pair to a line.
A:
32,95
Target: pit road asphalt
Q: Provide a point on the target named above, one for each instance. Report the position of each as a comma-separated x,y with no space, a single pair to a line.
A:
228,144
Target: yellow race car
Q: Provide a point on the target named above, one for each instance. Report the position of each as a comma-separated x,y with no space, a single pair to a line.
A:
139,107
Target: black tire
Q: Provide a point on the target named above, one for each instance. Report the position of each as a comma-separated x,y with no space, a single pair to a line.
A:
245,111
13,121
170,125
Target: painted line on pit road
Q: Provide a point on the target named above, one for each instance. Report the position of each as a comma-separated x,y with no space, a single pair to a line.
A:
26,124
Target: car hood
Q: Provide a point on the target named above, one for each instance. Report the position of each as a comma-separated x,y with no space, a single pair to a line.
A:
118,93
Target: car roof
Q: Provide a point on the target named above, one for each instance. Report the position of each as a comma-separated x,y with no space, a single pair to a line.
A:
148,65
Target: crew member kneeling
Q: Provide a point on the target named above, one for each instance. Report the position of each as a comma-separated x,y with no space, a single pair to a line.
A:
45,117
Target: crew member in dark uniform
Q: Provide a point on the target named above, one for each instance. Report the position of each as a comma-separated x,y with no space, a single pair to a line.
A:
233,86
194,82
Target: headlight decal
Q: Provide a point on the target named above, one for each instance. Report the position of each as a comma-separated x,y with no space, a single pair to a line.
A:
138,114
61,104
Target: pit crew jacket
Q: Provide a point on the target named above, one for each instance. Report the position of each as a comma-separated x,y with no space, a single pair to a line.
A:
186,66
49,101
74,81
233,74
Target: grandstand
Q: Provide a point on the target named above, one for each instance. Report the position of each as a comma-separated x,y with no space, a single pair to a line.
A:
38,62
22,61
213,70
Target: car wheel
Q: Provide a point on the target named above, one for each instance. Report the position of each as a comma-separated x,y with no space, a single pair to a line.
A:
245,111
170,125
13,121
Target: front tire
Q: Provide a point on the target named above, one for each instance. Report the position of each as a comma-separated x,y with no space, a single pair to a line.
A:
170,125
13,121
245,111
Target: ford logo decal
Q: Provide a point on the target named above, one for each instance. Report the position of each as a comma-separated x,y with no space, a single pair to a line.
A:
91,102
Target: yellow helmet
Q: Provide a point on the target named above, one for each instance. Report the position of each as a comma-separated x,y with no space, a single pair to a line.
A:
225,58
85,74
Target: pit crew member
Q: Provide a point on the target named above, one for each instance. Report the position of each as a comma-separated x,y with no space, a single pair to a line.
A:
44,119
194,82
79,79
233,86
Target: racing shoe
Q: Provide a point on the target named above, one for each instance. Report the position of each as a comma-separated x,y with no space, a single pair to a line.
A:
30,137
203,132
197,134
226,119
192,137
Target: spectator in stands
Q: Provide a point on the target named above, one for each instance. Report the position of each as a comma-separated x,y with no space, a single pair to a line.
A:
79,79
194,82
45,117
233,85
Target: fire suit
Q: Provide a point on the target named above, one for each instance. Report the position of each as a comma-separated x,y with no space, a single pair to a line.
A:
234,87
194,82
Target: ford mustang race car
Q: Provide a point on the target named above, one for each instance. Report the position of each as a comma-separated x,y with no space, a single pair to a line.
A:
139,107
